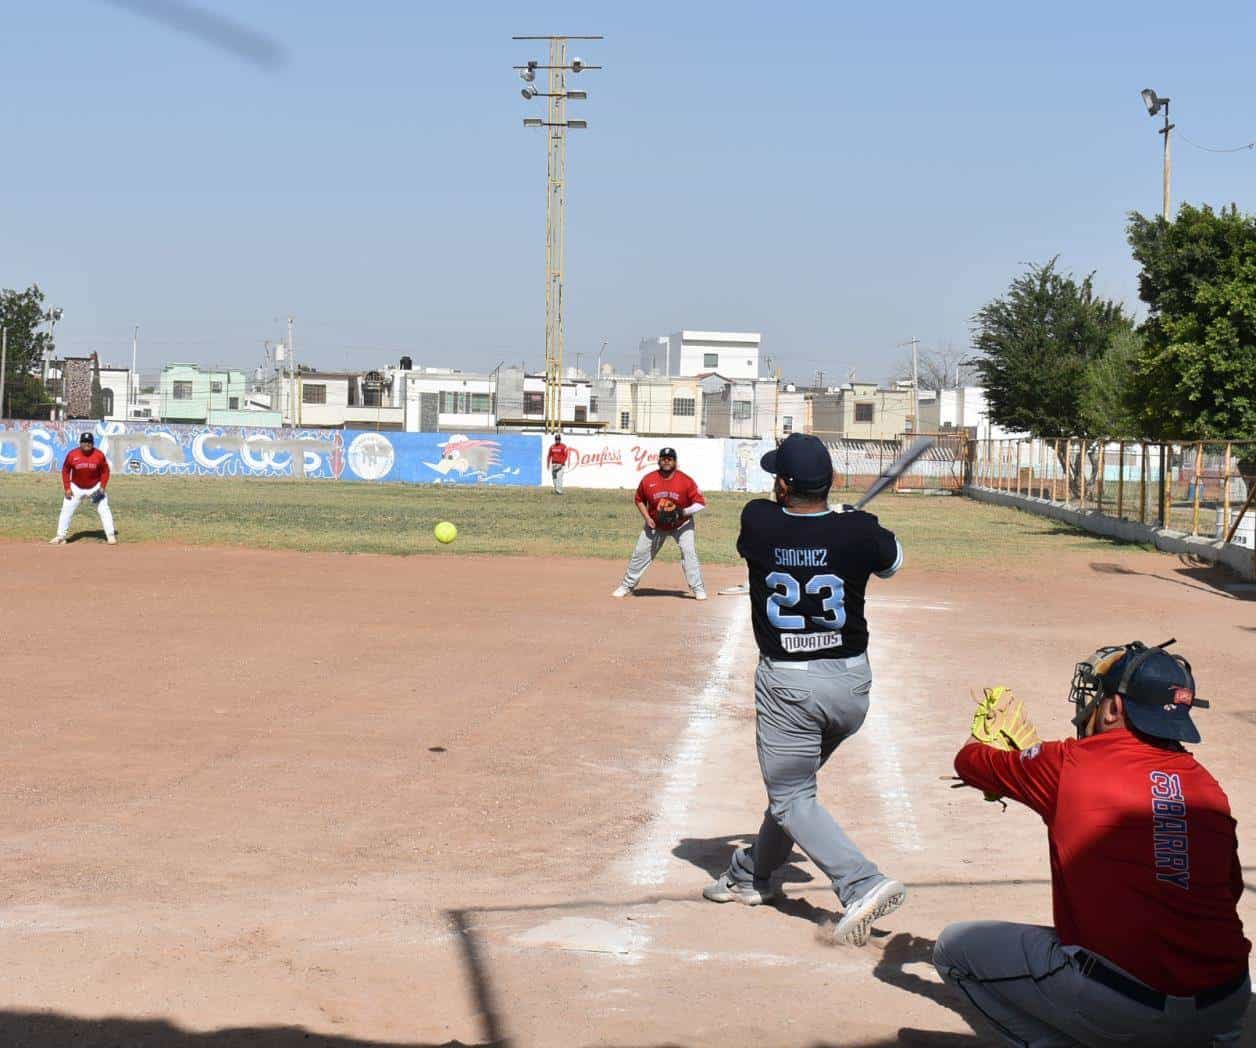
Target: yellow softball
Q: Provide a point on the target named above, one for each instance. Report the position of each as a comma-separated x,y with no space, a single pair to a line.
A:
445,532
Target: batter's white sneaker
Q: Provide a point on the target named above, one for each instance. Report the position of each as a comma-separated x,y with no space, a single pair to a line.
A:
725,890
699,595
855,924
111,539
58,540
620,591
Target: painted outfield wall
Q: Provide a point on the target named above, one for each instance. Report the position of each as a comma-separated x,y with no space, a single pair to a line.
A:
598,461
615,460
157,449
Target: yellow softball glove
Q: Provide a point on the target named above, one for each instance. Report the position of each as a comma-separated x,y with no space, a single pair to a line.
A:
1001,721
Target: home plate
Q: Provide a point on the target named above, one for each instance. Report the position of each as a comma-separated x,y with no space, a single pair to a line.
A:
582,934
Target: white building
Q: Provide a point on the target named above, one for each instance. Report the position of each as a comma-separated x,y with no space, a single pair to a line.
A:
734,354
963,408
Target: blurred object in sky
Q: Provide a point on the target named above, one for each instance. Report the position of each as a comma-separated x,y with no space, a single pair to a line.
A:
210,28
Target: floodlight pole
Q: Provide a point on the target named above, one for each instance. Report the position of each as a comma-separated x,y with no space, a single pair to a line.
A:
556,221
1168,160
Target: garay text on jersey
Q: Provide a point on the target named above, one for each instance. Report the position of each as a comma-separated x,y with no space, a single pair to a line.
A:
801,558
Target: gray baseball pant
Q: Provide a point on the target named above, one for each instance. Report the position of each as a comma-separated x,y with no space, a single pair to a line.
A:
556,472
804,711
651,540
1032,992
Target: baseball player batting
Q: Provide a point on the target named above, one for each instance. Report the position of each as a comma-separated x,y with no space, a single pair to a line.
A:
85,475
809,566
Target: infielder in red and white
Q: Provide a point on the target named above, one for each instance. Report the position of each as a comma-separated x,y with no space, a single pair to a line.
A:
85,474
667,500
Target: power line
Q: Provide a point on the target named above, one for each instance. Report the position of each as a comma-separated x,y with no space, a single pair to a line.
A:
1213,149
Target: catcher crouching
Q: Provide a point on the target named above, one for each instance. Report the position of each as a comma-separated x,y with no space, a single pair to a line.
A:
1147,947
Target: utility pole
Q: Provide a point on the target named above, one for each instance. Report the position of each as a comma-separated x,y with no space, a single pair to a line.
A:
555,203
915,383
294,410
135,378
4,360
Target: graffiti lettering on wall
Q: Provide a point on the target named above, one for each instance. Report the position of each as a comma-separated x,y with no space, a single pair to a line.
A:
155,449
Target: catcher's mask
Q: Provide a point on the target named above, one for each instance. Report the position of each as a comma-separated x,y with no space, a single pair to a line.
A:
1158,690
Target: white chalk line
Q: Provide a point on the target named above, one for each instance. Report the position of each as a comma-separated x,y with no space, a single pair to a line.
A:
650,859
895,796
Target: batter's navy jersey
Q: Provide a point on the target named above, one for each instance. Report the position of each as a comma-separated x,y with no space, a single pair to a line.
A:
808,573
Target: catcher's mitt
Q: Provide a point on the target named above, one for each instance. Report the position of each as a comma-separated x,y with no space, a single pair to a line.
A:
1001,721
667,514
98,496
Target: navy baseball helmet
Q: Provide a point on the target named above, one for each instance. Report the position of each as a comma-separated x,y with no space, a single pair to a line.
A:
1158,689
801,459
667,453
86,438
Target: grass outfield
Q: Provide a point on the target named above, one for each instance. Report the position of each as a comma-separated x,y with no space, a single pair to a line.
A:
398,519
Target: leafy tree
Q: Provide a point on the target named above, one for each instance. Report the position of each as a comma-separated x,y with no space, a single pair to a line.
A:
22,313
1108,406
1196,375
1037,343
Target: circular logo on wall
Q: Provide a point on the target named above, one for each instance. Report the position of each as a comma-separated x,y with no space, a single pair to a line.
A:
371,456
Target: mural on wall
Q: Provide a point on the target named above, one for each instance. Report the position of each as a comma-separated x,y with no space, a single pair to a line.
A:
471,459
742,471
439,458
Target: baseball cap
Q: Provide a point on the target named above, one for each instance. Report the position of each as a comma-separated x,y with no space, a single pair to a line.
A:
802,459
665,453
86,438
1159,691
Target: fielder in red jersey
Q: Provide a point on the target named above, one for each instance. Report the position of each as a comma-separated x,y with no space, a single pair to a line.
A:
1147,947
667,500
85,475
556,459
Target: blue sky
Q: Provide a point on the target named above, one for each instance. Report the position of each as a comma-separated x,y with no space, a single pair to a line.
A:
838,177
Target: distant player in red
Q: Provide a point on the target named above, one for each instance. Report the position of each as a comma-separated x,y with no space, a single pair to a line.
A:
1147,947
85,474
667,500
556,459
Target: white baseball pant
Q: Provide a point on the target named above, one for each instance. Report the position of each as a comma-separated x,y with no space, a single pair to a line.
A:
70,506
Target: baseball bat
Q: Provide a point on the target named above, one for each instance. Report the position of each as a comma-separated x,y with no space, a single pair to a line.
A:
895,470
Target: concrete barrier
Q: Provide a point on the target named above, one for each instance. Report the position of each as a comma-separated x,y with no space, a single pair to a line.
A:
1237,558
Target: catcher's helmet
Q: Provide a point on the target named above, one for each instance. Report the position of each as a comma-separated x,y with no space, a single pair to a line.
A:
1158,689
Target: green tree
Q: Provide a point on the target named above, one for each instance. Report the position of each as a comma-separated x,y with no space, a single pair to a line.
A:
1196,374
22,313
1108,404
1038,343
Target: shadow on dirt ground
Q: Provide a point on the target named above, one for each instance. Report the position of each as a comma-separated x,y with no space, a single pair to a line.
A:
1207,578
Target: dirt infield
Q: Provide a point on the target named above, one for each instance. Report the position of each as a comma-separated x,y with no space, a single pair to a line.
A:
281,799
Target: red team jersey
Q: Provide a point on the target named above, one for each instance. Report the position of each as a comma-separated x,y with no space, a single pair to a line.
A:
558,454
679,487
1144,857
85,471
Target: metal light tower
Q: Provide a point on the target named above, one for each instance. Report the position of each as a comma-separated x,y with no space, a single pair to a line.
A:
555,203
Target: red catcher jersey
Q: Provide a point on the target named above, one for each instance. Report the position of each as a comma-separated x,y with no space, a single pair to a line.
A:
558,454
1144,857
85,471
679,487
